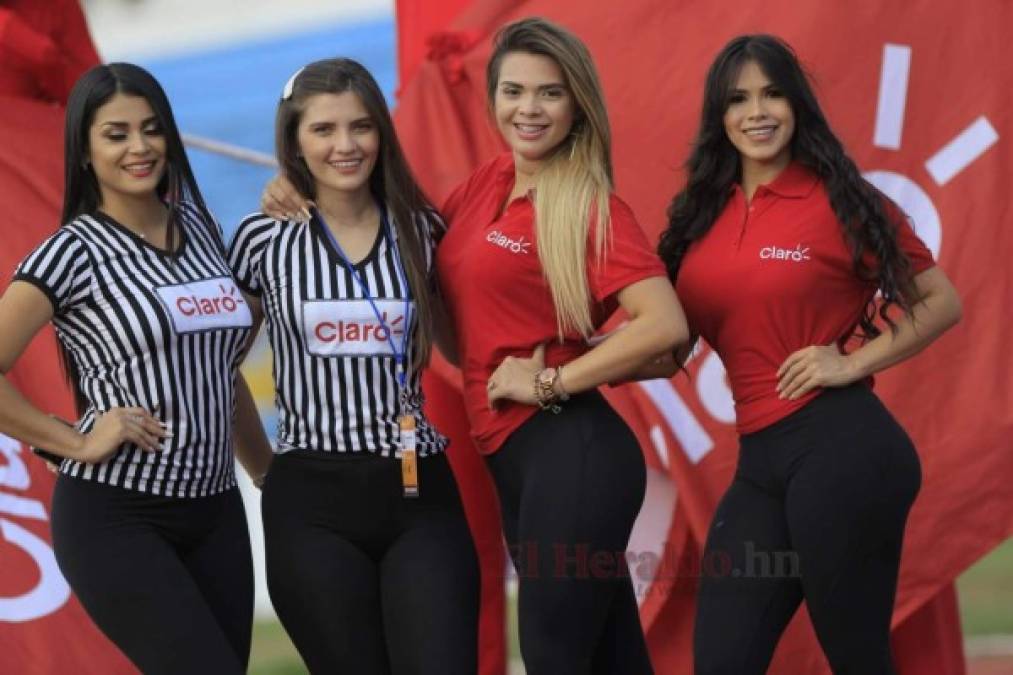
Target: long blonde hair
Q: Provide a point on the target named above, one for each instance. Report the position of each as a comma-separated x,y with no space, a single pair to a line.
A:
572,188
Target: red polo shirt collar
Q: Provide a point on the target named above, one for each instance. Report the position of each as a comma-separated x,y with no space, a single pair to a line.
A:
796,181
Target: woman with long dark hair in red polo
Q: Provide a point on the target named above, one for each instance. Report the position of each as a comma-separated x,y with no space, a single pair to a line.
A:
778,247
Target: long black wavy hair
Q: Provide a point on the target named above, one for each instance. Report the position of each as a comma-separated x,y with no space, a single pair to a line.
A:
714,166
82,194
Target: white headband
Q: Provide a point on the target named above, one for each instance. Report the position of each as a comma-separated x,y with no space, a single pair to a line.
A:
286,93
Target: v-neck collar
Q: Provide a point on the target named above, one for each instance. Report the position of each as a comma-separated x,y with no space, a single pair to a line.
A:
319,225
106,219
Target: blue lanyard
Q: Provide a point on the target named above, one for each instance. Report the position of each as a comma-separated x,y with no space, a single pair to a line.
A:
399,357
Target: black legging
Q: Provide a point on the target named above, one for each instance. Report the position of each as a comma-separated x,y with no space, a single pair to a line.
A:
367,581
570,486
816,511
169,580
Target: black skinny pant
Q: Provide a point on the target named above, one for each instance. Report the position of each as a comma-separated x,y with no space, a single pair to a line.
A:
366,581
570,486
816,511
169,580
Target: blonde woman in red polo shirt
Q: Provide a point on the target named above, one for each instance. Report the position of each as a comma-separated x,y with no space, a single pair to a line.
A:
778,247
538,253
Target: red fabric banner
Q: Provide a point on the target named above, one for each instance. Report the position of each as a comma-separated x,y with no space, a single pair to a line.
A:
44,47
928,120
42,627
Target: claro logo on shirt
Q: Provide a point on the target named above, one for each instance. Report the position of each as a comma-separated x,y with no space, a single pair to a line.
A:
513,245
210,304
350,327
797,254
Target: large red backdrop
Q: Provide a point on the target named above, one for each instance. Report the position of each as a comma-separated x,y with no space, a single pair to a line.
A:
935,136
921,94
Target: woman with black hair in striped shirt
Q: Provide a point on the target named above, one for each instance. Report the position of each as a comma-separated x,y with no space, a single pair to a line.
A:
370,562
148,525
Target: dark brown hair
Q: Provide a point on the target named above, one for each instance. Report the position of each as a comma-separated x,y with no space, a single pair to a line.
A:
391,182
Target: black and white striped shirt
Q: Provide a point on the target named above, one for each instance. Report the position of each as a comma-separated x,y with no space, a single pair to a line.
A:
334,373
149,329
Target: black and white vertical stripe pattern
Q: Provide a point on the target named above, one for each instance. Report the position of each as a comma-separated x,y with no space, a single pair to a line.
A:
101,279
328,403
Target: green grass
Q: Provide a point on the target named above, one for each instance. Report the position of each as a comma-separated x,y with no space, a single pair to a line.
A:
986,608
273,653
986,594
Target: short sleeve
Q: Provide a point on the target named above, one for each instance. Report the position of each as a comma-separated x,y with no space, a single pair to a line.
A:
247,250
908,242
913,247
61,268
628,257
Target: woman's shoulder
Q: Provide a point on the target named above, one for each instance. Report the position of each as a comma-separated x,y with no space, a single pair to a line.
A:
259,223
78,228
619,207
488,173
498,165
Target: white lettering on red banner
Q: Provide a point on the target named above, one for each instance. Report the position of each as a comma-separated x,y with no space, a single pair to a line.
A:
49,591
351,328
205,305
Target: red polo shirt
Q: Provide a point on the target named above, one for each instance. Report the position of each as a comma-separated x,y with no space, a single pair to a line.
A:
500,303
771,277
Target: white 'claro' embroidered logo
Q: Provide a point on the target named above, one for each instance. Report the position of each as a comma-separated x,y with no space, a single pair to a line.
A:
797,254
513,245
350,328
205,305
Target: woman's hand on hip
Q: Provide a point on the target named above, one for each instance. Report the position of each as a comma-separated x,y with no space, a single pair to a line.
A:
811,367
514,379
118,426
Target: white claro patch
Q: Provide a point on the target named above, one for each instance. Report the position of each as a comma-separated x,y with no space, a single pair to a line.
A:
211,304
351,328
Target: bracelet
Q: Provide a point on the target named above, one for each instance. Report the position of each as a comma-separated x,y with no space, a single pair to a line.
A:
545,390
561,391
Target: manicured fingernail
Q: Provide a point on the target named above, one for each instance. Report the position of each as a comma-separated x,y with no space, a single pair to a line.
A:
305,212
